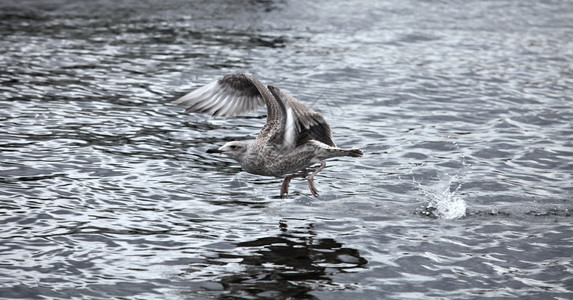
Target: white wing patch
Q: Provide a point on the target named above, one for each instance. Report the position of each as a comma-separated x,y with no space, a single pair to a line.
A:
290,127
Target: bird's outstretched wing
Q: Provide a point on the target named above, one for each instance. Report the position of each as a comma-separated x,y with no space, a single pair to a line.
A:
290,123
301,123
232,95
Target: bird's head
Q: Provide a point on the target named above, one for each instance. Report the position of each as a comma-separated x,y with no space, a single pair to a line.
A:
235,149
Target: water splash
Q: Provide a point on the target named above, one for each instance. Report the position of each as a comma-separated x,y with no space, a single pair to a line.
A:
443,203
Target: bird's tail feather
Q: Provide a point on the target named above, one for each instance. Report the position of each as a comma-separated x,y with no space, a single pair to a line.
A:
354,152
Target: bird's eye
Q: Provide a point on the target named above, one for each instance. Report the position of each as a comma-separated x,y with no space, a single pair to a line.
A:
233,147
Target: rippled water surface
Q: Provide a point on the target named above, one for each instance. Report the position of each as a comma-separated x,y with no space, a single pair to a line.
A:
464,110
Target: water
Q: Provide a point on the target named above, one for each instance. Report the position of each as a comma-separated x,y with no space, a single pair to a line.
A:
463,109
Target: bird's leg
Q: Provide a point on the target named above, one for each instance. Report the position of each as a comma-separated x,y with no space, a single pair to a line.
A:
311,178
286,182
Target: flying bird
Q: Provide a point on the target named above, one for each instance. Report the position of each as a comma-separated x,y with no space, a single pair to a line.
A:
293,138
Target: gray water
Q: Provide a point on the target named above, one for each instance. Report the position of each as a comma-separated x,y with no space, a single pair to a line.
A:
464,110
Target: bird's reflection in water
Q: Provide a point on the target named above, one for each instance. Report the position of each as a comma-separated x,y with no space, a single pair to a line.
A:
291,264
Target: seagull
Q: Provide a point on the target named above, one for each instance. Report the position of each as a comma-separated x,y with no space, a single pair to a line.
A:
293,138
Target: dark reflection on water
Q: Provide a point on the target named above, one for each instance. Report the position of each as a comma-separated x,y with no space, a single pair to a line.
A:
289,265
462,108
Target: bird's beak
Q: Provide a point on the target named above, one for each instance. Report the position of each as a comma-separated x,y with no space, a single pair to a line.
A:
214,150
